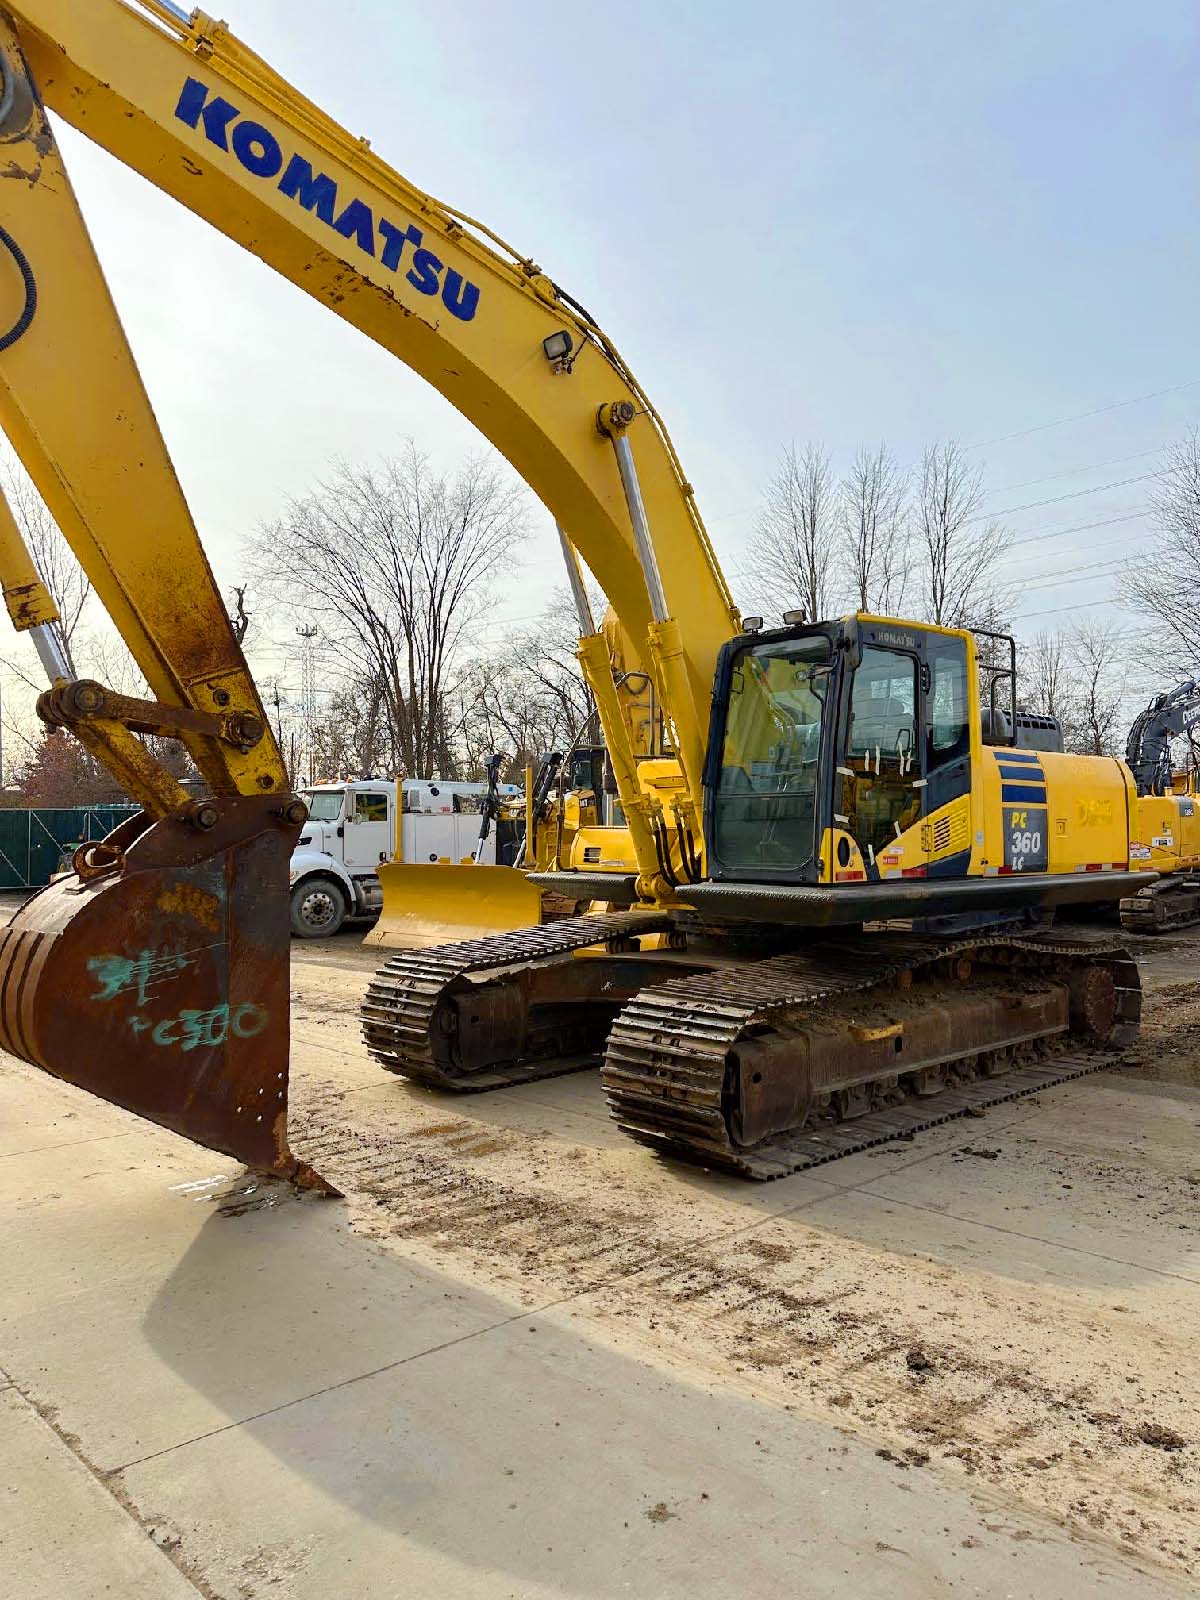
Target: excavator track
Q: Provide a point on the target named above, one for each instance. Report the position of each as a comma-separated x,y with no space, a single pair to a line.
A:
668,1065
1172,902
401,1010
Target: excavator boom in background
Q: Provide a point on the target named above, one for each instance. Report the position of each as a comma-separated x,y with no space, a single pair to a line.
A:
1167,825
826,775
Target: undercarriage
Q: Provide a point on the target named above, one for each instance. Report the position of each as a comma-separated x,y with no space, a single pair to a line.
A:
1171,902
711,1050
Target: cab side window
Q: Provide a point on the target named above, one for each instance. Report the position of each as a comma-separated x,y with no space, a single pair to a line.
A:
948,734
883,759
370,807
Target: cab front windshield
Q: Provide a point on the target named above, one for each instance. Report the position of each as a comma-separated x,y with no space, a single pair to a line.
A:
324,805
766,812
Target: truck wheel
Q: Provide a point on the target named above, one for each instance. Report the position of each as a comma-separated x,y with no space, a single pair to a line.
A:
318,908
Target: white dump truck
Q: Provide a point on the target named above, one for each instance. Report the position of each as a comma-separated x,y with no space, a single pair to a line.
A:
351,828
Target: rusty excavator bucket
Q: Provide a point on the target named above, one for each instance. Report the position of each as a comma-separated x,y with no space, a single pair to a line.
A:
155,975
442,903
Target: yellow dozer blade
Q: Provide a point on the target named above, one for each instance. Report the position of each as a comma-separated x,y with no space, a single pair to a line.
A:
443,903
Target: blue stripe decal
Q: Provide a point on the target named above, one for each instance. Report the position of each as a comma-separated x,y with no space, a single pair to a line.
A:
1017,755
1023,774
1024,791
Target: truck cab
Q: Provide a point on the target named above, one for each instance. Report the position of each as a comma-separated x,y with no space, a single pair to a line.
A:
352,827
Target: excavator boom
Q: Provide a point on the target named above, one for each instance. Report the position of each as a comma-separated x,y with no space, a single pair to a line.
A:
156,974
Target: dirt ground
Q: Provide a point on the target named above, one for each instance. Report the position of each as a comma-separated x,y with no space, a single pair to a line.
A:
1011,1300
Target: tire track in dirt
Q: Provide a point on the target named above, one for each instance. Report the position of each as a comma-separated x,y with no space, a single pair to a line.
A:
1029,1390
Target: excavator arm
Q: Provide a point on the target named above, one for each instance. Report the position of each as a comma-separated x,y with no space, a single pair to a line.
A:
186,104
1148,748
156,974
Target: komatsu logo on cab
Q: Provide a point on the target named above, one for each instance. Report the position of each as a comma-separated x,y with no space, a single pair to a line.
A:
259,152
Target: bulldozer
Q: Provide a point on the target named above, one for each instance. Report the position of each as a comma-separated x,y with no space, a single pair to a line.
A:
426,903
571,790
739,978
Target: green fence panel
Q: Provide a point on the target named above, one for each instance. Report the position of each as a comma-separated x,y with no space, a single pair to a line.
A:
34,844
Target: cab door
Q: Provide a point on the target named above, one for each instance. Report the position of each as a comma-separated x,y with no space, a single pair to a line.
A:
881,770
907,767
368,837
946,834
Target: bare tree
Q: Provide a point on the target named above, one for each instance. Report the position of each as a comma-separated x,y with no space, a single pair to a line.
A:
875,547
791,551
397,563
528,697
1095,655
351,739
240,618
960,548
1045,677
1049,683
1163,584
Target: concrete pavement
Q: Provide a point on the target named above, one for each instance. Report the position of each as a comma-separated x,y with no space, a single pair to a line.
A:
243,1399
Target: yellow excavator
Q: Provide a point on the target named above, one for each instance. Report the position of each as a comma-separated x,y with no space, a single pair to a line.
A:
814,780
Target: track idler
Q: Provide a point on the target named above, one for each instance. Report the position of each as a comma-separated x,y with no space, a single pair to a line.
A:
155,975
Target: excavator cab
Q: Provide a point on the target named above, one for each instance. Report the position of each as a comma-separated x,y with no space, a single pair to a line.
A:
832,742
872,769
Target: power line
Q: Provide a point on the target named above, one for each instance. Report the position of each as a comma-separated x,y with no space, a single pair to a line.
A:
1057,611
1081,416
1070,472
1096,569
1028,505
1075,494
1079,527
1104,544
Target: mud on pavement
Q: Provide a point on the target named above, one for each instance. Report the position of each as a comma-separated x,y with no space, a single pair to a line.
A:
1010,1300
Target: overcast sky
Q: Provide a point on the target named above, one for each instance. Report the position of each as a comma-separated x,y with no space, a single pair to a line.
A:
849,222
